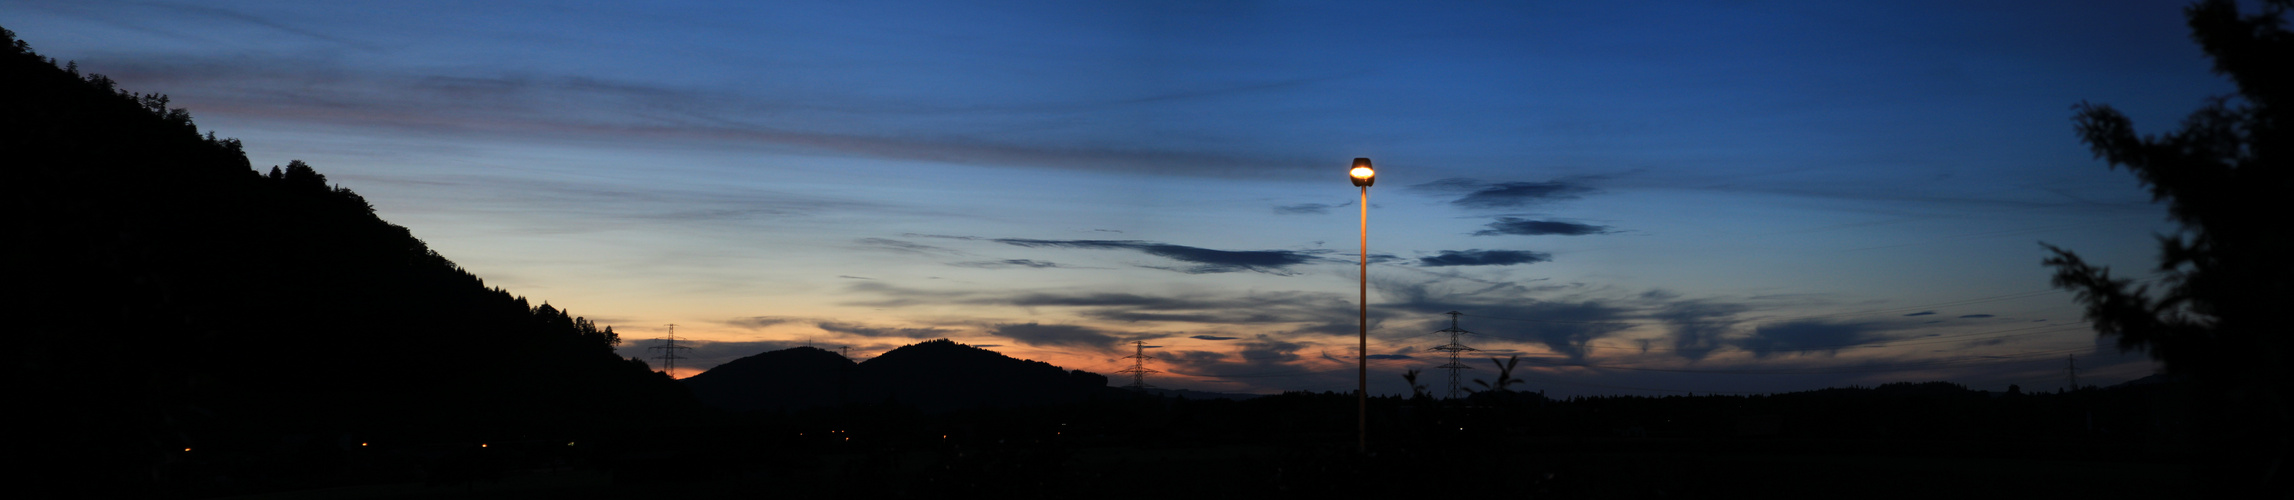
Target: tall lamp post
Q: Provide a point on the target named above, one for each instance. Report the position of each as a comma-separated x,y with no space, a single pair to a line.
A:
1363,177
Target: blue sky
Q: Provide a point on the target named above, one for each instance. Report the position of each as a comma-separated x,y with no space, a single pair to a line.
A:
1637,197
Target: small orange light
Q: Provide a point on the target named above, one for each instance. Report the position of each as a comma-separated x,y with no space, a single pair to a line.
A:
481,445
186,449
362,445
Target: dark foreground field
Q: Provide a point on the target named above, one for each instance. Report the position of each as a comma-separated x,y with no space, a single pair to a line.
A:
1538,468
1897,441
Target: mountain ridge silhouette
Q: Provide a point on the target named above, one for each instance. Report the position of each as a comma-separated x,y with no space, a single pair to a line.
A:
934,376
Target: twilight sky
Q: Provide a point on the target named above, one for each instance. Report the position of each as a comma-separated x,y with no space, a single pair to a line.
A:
1637,197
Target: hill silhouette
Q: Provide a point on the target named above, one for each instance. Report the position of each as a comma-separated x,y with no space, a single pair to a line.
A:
787,379
933,376
178,307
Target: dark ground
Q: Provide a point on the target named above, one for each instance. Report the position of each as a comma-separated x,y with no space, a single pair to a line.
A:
1896,441
1544,468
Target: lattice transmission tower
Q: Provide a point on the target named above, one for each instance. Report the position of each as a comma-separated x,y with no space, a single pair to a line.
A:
1138,369
2071,370
669,349
1455,349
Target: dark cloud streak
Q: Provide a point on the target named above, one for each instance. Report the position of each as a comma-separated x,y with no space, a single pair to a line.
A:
1067,336
1810,336
1483,195
1008,263
1309,208
1527,227
1208,260
1484,258
868,331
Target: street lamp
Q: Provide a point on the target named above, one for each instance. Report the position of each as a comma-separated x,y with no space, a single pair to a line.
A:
1363,177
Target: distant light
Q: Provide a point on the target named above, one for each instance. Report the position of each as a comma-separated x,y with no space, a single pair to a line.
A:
569,443
362,445
1362,174
186,449
481,445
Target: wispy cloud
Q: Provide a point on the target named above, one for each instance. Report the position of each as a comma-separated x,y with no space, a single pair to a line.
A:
1810,336
906,247
754,322
1484,258
1211,337
1309,208
886,295
870,331
1263,308
1699,327
1068,336
1565,327
1008,263
338,90
1260,354
1207,260
1528,227
1477,194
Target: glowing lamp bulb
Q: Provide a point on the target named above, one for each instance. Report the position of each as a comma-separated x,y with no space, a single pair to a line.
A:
1362,174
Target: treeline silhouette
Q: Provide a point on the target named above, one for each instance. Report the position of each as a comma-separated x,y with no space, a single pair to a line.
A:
179,317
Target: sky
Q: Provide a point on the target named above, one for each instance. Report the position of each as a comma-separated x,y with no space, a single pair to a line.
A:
1641,198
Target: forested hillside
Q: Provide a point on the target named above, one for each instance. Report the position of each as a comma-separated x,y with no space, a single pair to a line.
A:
172,305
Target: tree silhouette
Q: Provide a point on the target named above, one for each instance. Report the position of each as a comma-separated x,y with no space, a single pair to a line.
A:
1417,390
2225,275
1504,375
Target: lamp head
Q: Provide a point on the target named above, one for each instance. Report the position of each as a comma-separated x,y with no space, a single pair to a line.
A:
1362,174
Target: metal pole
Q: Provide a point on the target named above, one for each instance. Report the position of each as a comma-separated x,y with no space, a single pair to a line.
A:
1362,356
